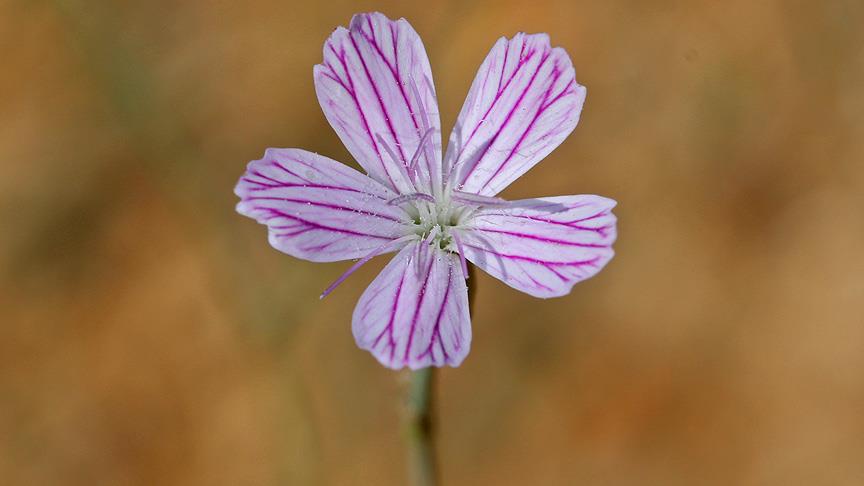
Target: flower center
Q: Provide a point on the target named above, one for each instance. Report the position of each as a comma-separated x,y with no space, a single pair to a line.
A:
433,221
433,224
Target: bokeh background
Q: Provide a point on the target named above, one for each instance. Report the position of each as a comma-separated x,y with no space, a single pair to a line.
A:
150,335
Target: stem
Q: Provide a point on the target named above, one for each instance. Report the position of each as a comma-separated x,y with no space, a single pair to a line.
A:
422,467
421,437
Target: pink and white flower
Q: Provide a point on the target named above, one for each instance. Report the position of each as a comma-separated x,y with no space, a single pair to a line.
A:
375,87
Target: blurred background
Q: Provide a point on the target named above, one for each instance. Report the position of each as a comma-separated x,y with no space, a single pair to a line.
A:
150,335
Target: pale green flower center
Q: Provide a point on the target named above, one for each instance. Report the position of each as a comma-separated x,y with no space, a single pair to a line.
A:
435,222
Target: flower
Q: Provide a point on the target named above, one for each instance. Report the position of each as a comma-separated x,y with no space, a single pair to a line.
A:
375,88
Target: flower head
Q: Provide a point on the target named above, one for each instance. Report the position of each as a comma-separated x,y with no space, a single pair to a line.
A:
375,88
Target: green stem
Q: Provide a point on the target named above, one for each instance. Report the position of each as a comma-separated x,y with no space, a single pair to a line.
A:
422,467
421,443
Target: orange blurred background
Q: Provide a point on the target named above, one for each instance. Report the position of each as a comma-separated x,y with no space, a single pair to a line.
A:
150,335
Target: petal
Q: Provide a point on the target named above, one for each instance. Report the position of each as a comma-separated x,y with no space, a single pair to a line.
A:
543,246
316,208
523,103
375,87
415,313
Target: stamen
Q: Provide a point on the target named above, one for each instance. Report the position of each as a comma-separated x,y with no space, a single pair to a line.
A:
432,234
478,200
416,156
461,251
433,173
424,245
381,249
424,119
389,150
396,159
399,200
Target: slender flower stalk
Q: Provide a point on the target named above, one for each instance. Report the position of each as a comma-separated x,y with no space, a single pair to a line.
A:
419,428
